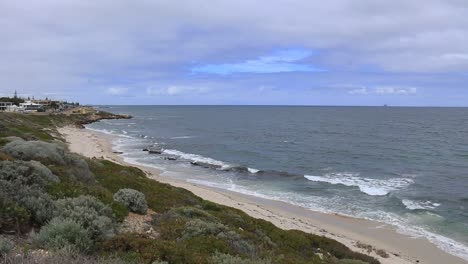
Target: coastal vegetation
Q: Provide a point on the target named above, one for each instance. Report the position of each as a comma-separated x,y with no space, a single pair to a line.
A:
60,207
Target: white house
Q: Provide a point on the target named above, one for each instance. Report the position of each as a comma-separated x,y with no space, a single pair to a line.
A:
14,108
30,106
5,105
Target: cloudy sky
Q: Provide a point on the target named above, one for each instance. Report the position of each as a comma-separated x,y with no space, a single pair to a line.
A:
335,52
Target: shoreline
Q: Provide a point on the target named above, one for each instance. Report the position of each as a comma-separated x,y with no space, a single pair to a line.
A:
347,230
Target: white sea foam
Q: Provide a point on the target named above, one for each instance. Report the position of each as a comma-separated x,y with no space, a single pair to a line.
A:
415,205
105,131
251,170
197,158
444,243
376,187
109,132
182,137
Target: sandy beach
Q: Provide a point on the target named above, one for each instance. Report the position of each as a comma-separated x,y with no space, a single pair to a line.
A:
349,231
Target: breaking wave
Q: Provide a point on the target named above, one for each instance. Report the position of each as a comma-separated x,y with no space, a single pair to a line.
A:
419,205
375,187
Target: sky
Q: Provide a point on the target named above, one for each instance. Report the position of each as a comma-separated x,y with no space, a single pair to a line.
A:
335,52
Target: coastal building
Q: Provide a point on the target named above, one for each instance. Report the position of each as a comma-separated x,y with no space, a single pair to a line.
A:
14,108
30,106
5,105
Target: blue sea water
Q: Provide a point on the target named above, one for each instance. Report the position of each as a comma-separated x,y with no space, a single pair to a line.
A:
403,166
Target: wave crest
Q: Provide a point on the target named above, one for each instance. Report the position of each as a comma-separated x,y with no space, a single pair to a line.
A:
374,187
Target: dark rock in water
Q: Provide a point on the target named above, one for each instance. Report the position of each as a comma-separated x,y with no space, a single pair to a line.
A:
170,158
145,149
237,169
117,152
205,165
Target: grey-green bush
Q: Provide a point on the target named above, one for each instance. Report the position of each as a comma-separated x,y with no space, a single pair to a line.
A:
38,203
62,233
5,246
349,261
35,150
220,258
133,199
78,168
26,173
23,182
90,213
236,242
197,227
61,258
50,153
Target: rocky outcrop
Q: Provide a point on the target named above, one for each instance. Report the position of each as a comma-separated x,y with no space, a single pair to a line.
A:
92,115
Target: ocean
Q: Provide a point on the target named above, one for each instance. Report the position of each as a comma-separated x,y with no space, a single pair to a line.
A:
400,165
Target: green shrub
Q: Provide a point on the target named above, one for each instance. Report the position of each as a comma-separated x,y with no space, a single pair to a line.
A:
133,199
62,233
120,211
160,197
5,246
13,217
193,212
90,213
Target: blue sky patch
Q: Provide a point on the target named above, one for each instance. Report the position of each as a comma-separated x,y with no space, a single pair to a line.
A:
279,61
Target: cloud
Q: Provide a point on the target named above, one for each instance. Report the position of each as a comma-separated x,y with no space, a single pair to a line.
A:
281,61
176,90
362,90
383,90
396,90
117,91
